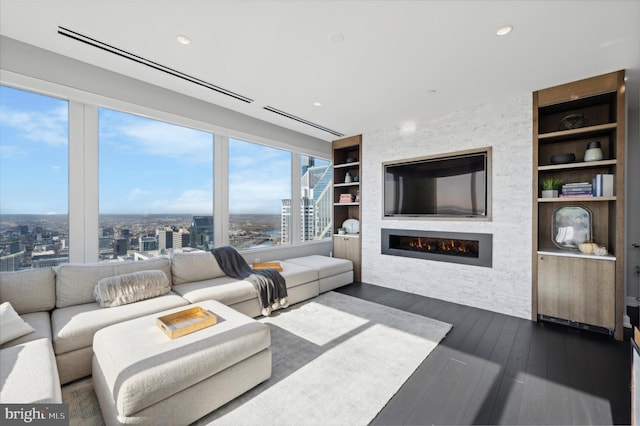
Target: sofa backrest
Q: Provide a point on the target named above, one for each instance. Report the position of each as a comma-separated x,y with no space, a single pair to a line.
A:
30,290
194,266
75,282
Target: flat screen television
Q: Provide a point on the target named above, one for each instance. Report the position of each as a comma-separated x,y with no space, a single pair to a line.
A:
452,186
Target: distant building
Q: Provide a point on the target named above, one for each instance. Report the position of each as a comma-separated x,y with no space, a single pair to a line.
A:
315,205
147,244
201,231
11,262
172,238
285,222
120,247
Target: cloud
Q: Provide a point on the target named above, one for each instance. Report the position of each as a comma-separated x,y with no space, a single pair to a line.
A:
148,137
49,127
195,201
136,193
11,152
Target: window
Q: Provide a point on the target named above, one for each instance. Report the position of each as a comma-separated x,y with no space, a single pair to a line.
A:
259,195
316,178
156,187
34,141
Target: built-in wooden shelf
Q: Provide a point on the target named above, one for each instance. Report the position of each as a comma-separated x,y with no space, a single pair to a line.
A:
581,165
582,131
575,199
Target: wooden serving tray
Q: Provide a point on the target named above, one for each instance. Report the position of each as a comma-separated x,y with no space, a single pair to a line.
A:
185,322
267,265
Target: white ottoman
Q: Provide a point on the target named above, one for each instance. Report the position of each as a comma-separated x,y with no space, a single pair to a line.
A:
141,376
332,271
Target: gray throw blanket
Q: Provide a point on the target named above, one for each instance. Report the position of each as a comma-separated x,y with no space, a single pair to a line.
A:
270,285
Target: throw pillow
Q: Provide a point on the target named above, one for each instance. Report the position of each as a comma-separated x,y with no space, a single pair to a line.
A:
12,325
128,288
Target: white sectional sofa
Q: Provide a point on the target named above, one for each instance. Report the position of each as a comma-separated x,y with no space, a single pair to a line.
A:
60,304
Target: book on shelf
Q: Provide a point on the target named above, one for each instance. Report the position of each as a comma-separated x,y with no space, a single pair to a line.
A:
577,189
603,185
576,195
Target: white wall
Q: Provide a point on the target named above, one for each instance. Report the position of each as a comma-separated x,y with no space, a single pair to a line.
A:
506,287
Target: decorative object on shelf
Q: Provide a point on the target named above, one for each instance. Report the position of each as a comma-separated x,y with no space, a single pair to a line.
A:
550,187
600,251
572,121
563,158
593,152
358,196
352,226
587,247
571,226
350,160
342,231
356,179
347,177
346,198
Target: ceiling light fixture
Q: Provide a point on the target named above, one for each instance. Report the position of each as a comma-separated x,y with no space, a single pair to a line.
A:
504,30
183,39
336,38
317,104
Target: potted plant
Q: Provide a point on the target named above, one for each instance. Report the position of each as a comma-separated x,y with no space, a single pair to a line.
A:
342,231
550,187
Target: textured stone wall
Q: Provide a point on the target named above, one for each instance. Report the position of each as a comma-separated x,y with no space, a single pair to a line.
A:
506,287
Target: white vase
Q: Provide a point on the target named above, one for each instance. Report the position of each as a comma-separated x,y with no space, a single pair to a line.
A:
549,193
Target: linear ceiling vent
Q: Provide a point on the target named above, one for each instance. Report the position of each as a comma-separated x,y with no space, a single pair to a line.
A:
303,121
128,55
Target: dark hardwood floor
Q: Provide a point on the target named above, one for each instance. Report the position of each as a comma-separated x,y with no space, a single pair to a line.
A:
497,369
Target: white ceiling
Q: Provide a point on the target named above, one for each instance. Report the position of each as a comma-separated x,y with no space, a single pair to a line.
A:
394,53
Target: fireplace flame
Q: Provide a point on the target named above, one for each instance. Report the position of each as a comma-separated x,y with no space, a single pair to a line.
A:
448,246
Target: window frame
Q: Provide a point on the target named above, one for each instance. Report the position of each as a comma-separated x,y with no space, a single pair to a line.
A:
83,164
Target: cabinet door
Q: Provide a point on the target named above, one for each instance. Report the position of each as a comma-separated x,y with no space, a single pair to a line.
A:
348,248
577,289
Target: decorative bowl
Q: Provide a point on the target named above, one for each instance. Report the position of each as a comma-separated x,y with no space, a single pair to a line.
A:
572,121
563,158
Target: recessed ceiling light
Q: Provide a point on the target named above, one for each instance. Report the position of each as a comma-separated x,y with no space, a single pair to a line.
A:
317,103
432,92
183,39
504,30
336,38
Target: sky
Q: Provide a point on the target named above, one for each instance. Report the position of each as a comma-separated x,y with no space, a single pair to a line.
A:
145,166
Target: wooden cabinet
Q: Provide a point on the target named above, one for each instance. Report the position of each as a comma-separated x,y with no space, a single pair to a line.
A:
580,290
348,247
567,119
346,198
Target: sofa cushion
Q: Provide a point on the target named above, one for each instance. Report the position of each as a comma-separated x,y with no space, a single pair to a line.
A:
31,290
74,326
128,288
194,266
75,283
326,266
41,321
296,275
11,325
28,374
225,290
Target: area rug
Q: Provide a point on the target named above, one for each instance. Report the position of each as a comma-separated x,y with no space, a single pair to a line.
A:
337,360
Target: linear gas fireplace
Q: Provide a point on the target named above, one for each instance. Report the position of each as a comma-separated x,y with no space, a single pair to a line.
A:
456,247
